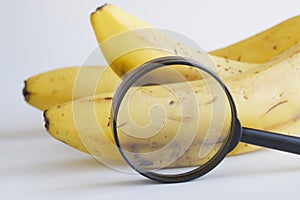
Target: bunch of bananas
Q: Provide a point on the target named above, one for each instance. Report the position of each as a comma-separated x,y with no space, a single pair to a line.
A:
261,72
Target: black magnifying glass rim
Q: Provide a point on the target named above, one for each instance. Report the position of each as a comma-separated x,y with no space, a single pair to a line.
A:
128,82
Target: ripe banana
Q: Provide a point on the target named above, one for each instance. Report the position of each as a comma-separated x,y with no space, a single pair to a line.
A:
266,98
61,85
265,45
57,86
257,49
127,42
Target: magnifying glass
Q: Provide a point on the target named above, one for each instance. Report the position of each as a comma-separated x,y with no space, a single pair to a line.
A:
171,129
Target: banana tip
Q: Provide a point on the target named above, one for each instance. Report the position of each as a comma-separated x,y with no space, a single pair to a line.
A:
25,92
100,7
46,120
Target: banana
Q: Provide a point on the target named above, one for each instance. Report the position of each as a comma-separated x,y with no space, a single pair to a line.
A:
62,85
265,45
127,42
266,98
257,49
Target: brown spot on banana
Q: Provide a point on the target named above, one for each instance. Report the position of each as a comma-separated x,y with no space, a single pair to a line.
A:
101,99
275,106
108,123
281,94
108,98
171,102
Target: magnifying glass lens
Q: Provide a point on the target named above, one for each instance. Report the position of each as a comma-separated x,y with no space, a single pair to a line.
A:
168,124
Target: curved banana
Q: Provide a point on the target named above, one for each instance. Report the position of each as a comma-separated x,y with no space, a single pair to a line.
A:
58,86
127,42
257,49
66,84
266,98
266,45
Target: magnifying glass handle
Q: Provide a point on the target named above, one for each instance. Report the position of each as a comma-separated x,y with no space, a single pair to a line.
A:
271,140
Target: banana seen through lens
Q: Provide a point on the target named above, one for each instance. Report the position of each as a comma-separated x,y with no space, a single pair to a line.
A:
187,131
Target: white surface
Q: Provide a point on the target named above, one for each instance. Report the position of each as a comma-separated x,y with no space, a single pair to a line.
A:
37,36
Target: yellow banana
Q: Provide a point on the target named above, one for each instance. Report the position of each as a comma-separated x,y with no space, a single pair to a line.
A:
257,49
127,42
266,98
265,45
57,86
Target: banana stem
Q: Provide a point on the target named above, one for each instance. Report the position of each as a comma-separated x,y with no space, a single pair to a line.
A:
271,140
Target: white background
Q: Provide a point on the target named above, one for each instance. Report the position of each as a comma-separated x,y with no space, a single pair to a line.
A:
40,35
